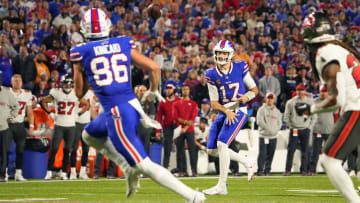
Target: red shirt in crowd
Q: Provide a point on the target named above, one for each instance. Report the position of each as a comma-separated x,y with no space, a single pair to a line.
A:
186,110
165,113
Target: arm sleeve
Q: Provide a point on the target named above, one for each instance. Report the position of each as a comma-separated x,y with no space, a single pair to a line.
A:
75,55
260,118
249,81
213,92
287,113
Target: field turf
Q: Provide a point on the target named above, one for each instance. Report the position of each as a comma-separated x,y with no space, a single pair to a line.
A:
262,189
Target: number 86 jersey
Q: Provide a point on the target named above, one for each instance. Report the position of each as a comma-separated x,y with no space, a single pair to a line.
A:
350,69
107,67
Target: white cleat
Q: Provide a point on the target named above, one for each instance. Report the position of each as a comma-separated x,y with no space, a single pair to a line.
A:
63,176
132,183
198,197
19,178
73,176
83,176
48,175
250,171
217,190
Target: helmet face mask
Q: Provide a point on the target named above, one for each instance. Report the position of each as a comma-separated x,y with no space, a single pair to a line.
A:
95,24
67,83
223,46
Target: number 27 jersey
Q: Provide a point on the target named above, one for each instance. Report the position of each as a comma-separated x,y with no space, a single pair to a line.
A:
107,67
350,68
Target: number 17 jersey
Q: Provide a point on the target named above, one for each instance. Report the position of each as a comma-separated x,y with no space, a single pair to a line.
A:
107,67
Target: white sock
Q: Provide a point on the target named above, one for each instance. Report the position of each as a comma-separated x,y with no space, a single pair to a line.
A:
239,158
18,172
73,170
162,176
224,162
83,169
105,147
339,178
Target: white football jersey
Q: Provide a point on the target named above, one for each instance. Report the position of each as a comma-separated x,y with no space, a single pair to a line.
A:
85,117
65,107
24,98
350,68
200,135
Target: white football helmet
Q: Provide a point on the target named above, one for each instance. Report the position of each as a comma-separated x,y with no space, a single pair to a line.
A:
95,24
224,46
67,83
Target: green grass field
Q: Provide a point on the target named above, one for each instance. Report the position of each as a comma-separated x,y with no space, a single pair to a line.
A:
262,189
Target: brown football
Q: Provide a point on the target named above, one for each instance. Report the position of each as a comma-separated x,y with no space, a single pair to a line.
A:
154,11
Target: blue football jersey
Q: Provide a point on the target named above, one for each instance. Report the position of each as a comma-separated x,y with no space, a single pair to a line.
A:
107,67
231,84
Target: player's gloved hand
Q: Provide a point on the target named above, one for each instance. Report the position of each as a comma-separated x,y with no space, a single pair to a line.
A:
153,96
52,115
302,109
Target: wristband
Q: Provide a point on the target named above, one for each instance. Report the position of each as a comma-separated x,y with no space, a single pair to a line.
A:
250,94
202,147
31,125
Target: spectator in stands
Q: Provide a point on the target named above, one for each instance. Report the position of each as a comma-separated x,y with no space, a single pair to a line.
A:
53,53
269,120
321,131
10,109
290,79
269,83
205,109
62,18
192,82
165,117
5,67
24,65
49,40
63,65
240,55
4,41
41,90
300,128
186,119
40,61
201,89
43,31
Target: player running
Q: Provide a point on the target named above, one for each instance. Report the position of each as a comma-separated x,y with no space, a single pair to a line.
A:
106,64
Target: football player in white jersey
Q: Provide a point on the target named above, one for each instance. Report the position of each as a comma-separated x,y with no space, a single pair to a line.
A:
16,126
65,106
338,67
81,121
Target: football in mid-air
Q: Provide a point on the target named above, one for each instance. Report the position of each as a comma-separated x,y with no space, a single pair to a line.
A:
154,11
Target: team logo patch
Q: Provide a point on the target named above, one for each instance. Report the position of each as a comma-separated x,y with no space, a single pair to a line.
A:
218,82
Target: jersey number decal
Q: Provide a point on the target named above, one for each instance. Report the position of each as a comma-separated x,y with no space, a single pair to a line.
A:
62,108
230,86
105,71
22,106
354,63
